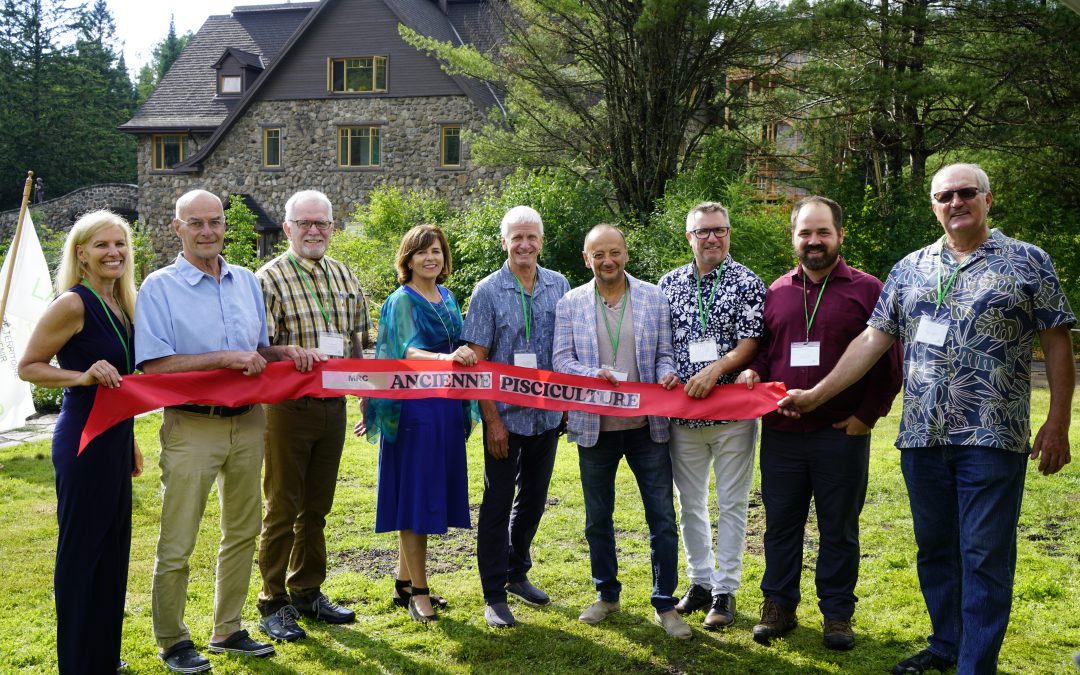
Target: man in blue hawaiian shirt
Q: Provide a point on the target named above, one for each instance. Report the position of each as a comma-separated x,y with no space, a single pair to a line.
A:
717,308
967,309
511,320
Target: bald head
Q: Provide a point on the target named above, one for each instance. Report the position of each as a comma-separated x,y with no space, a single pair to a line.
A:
602,229
186,200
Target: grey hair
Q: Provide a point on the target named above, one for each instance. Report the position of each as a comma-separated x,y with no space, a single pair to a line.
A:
185,200
705,207
981,179
308,196
519,215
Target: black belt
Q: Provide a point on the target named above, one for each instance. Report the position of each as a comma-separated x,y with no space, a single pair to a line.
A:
213,410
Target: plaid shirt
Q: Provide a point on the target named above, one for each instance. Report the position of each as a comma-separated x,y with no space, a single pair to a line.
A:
293,316
576,350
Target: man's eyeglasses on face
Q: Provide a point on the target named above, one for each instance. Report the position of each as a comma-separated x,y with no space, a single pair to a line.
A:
704,232
197,224
305,225
945,196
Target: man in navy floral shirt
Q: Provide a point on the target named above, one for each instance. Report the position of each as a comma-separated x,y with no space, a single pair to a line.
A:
716,319
966,309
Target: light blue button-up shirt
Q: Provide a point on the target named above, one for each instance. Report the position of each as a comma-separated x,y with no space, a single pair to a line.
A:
183,310
496,321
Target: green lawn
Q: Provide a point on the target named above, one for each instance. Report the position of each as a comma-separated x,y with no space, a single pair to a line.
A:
890,621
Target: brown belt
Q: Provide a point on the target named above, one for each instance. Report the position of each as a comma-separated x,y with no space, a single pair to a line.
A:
213,410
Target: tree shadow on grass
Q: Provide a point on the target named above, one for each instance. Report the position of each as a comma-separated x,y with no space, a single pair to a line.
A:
35,468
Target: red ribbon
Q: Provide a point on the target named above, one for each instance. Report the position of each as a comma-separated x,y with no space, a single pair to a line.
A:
408,379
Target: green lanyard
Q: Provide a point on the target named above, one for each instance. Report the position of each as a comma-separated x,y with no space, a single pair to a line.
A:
526,310
712,296
618,333
943,292
806,307
109,315
311,289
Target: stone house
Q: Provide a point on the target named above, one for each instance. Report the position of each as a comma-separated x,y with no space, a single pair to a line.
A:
276,98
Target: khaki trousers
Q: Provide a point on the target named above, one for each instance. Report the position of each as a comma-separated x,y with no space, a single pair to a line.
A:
196,451
304,439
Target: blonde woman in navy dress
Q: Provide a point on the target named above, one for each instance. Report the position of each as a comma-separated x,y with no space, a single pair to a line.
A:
88,329
423,485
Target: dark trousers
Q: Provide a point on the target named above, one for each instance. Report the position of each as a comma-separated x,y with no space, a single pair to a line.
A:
831,468
651,465
93,512
508,523
304,439
965,504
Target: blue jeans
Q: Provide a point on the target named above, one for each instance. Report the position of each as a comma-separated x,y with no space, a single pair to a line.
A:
651,465
965,504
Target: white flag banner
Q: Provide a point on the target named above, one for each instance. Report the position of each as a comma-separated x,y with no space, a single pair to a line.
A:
31,291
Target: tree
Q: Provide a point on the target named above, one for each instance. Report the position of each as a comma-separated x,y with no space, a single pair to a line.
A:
164,55
625,88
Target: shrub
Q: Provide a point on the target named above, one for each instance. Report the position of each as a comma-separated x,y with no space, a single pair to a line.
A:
47,399
241,240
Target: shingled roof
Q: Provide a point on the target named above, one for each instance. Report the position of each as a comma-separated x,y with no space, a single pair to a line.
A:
186,99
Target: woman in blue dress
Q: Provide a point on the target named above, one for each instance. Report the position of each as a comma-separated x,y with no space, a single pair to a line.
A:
88,328
423,485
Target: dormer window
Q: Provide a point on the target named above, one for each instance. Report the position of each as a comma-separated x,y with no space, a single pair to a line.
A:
357,75
230,84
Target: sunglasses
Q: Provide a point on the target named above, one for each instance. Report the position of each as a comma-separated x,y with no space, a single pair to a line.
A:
945,196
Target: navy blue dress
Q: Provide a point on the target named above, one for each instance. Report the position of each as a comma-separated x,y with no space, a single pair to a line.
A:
93,494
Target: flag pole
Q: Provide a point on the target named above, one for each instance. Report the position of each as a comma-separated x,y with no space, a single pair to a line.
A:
14,250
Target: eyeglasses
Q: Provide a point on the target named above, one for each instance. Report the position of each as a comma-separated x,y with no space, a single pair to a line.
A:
704,232
945,196
197,224
305,225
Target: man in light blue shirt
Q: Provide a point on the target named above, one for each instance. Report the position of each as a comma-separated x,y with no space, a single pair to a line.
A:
200,313
511,320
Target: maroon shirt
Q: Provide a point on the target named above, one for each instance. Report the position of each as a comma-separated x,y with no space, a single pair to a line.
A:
848,301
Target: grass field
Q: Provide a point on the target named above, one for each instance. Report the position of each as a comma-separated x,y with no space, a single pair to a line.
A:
890,620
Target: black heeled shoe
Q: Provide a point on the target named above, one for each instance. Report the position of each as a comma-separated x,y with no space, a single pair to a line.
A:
414,611
402,591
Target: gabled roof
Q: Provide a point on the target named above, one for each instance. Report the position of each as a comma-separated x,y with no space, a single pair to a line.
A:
249,28
186,98
246,59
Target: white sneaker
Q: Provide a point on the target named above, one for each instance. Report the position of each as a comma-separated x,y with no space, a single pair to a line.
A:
598,611
673,624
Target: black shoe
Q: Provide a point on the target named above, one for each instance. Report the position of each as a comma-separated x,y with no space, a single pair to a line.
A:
321,609
498,615
696,597
527,592
402,591
922,662
282,626
722,612
182,658
414,612
241,643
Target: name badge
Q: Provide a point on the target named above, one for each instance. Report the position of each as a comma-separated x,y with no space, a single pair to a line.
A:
931,332
704,351
805,354
619,374
525,359
331,344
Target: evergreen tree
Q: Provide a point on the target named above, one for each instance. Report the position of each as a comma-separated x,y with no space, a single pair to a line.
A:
164,55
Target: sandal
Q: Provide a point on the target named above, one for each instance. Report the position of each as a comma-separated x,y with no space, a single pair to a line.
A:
402,591
414,611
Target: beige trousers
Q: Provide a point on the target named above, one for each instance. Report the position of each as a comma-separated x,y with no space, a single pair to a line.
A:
196,451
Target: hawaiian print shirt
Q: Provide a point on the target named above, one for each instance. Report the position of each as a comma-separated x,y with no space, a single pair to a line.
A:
975,389
736,313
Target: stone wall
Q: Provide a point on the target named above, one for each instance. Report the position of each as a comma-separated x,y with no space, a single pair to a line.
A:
409,128
61,213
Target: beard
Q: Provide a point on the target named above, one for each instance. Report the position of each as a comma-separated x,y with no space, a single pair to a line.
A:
818,263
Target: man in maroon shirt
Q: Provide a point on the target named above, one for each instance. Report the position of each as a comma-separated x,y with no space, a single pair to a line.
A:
811,314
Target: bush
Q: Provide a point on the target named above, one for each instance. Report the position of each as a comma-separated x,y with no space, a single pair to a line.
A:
47,399
370,246
241,240
569,205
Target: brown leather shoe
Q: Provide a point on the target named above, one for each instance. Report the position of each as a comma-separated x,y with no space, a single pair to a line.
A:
775,622
837,634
